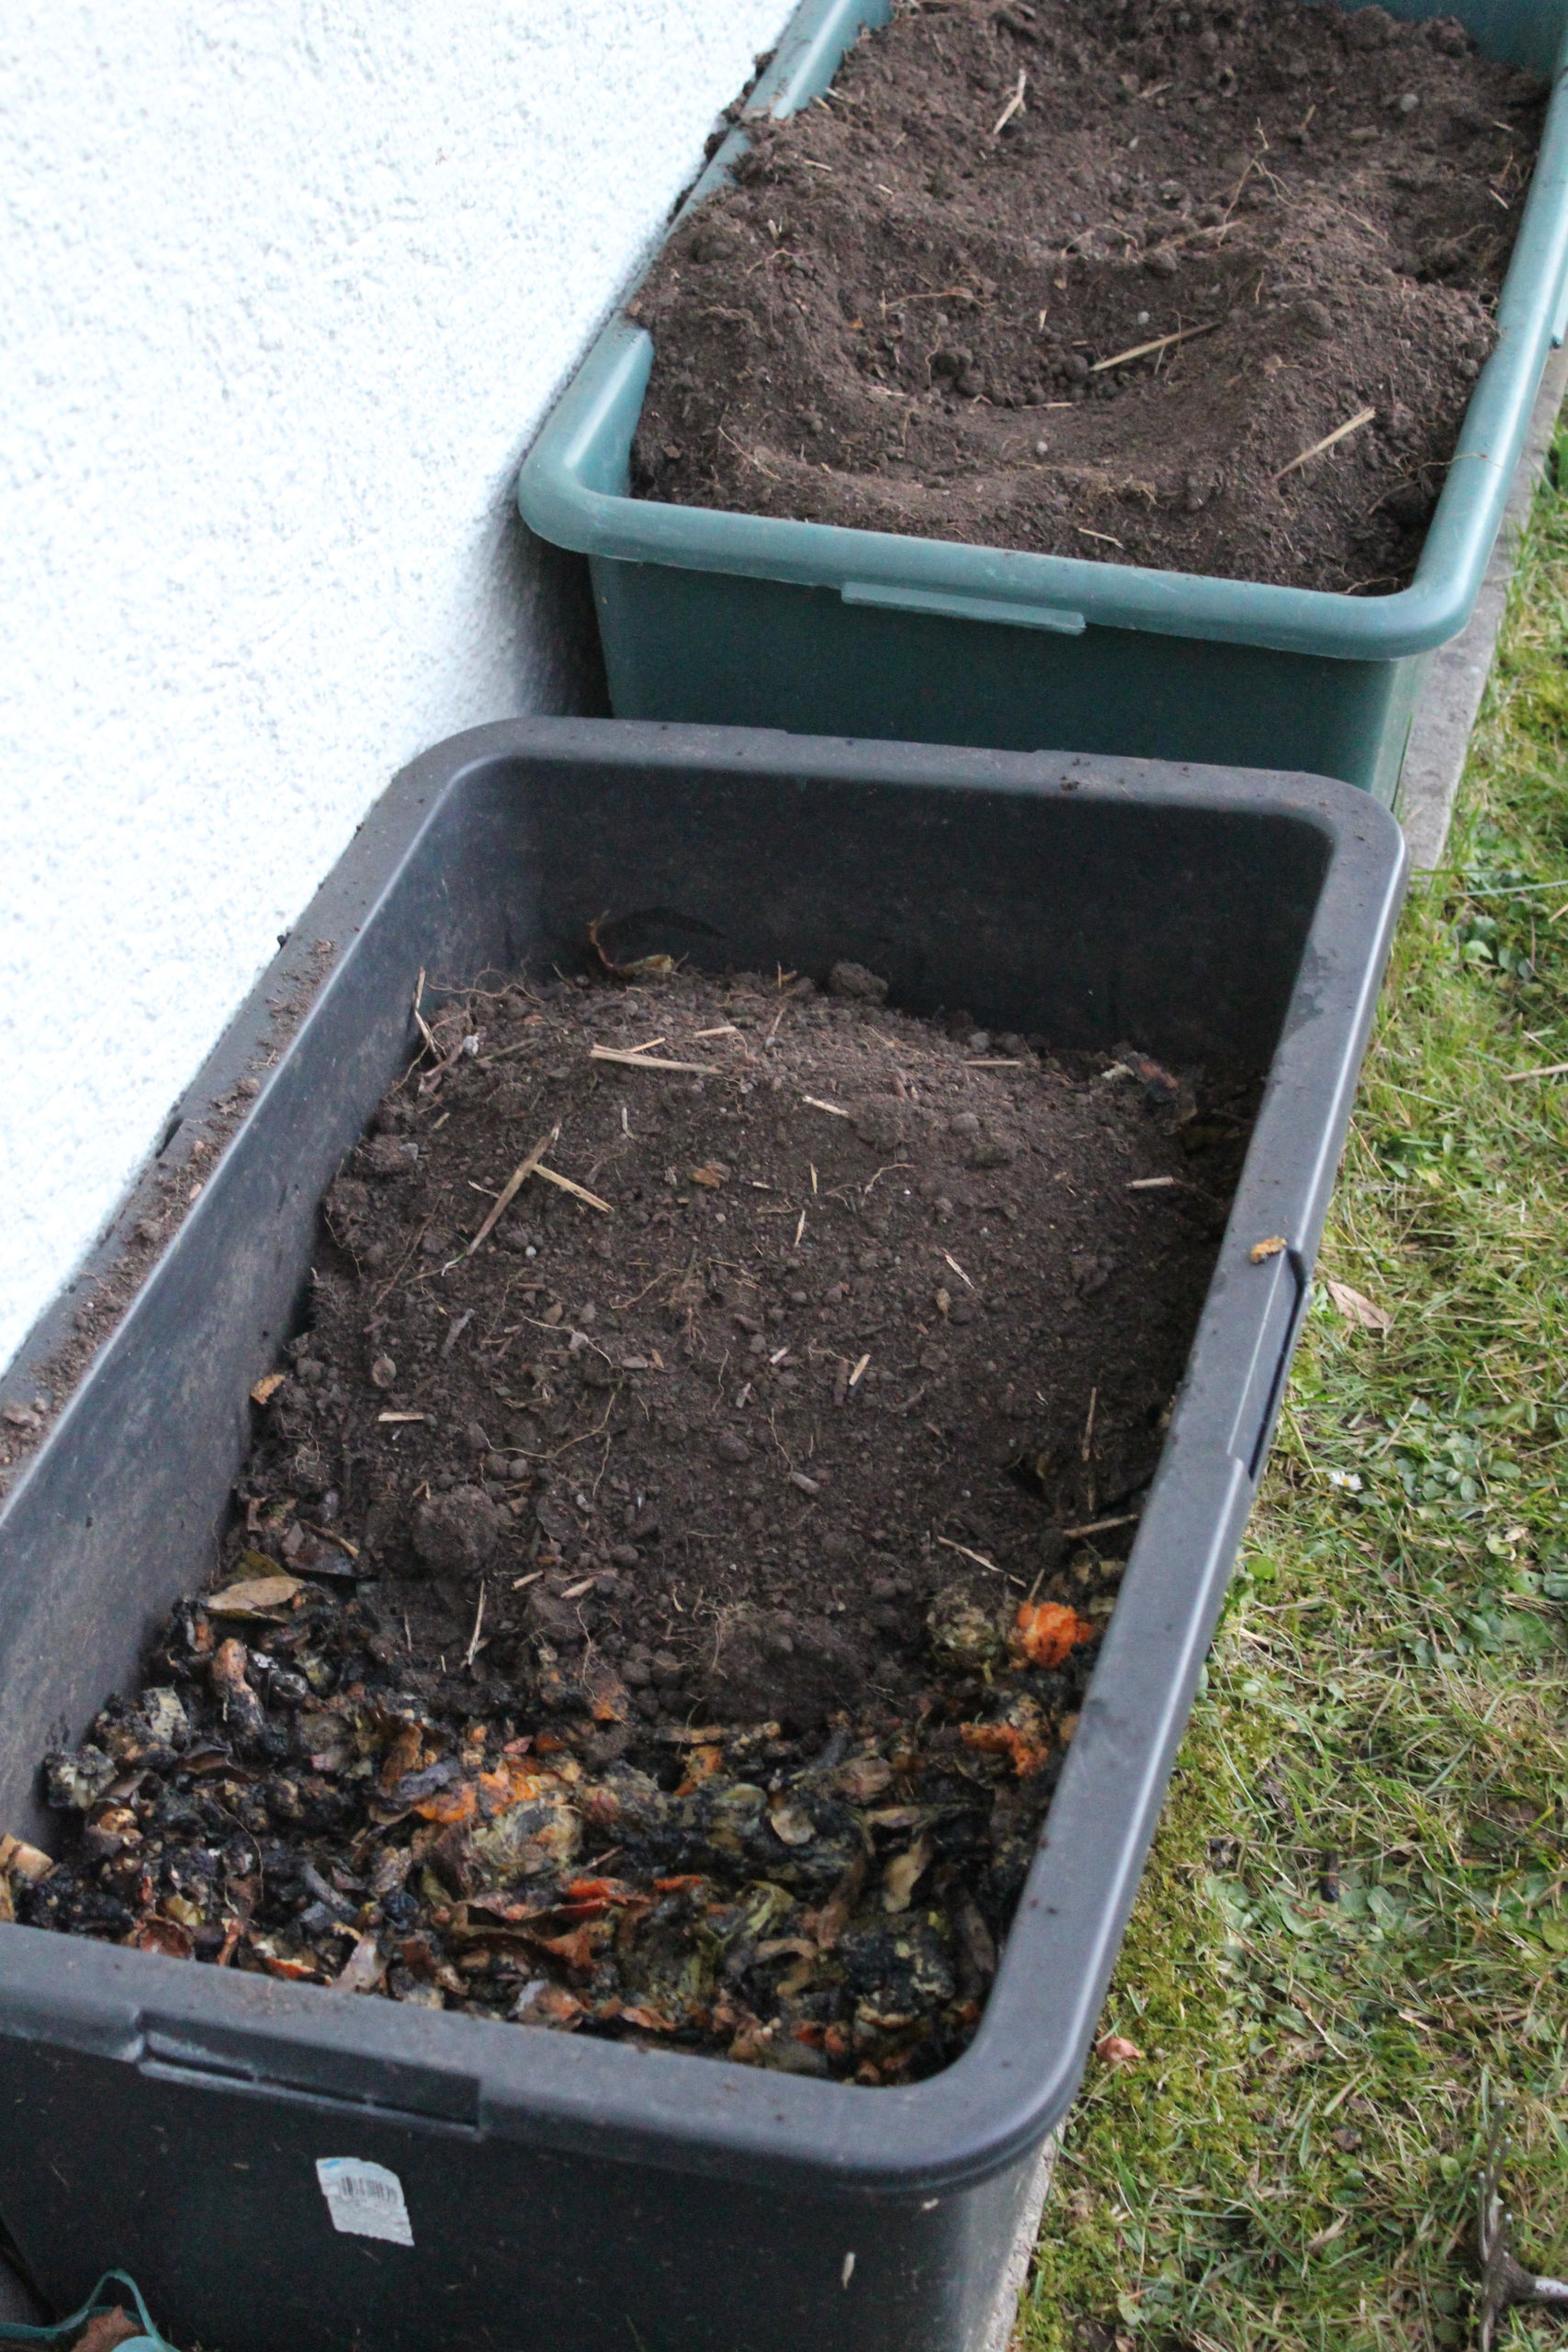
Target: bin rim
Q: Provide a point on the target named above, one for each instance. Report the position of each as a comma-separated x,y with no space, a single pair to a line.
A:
585,442
1016,2081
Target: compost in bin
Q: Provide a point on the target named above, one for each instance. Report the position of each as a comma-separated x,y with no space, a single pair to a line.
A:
673,1552
1205,288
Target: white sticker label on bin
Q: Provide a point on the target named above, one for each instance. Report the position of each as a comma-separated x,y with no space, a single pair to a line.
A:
364,2200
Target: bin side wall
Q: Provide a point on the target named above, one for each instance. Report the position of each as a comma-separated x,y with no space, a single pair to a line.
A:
729,652
1523,32
222,2223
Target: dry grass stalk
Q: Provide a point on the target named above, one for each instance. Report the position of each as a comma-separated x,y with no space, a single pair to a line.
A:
1160,343
636,1057
577,1191
1014,106
510,1189
1340,432
978,1557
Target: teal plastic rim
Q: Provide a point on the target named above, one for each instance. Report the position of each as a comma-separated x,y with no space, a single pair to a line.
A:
13,2331
574,484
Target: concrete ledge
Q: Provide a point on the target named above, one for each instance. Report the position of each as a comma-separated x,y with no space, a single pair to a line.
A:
997,2335
1456,679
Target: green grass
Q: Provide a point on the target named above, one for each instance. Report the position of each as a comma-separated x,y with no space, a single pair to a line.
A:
1356,1915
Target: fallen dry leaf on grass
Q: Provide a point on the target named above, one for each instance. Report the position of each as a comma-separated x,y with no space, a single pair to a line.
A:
1357,1307
1117,2050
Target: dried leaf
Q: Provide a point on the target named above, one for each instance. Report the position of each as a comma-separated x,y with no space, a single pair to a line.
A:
300,1968
788,1946
266,1385
979,1944
903,1874
1117,2050
264,1597
364,1968
18,1859
166,1936
608,1699
260,1564
834,1915
864,1778
405,1753
548,2004
792,1825
1357,1307
711,1174
576,1948
1270,1248
650,2019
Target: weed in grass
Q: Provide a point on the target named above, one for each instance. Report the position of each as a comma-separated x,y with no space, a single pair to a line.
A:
1356,1908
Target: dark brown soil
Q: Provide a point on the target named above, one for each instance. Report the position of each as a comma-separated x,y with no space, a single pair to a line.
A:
667,1619
899,317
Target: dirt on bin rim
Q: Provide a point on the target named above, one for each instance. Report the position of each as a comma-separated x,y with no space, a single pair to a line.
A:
1202,287
672,1559
40,1381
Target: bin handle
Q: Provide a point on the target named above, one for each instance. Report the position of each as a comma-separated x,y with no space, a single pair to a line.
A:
1280,1313
64,2330
962,609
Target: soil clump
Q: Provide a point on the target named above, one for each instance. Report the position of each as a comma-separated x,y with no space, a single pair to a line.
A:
1087,280
662,1588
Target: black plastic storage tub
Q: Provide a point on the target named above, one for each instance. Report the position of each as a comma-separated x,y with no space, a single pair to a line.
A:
169,2119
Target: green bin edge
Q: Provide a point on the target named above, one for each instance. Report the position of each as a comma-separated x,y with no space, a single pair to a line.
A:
732,619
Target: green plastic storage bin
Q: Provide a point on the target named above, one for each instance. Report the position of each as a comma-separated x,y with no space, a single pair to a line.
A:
751,620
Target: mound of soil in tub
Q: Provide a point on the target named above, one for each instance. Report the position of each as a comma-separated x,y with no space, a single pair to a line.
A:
927,304
666,1619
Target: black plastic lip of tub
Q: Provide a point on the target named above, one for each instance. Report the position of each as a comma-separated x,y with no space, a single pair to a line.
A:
1191,911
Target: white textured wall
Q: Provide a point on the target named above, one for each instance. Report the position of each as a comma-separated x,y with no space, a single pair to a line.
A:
290,286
